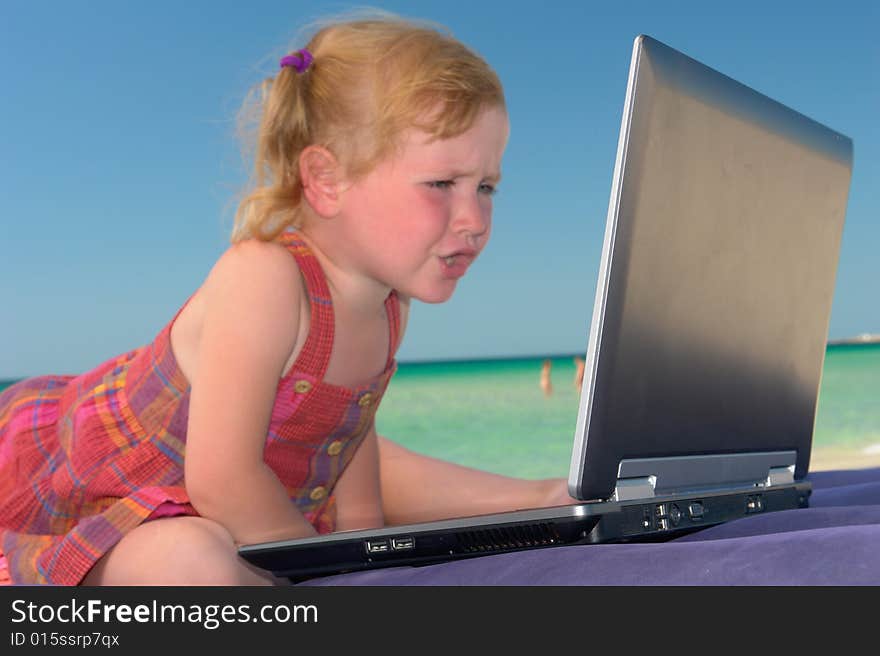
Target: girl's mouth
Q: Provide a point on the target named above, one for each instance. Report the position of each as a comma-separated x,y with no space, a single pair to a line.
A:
456,265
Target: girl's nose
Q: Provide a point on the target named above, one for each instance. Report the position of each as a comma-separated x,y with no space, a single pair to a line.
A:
472,219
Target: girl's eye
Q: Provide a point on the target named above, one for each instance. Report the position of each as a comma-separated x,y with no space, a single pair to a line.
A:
484,188
442,184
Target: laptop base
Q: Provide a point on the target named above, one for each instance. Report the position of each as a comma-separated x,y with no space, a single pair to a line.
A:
658,519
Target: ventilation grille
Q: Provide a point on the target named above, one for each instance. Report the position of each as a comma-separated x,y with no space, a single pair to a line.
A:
514,537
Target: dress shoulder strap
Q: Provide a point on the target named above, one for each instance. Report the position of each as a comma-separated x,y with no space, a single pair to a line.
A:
392,311
315,354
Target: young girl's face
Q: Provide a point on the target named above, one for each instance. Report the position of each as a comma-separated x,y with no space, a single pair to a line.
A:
420,218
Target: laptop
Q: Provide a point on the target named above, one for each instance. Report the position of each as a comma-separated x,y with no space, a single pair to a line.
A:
708,335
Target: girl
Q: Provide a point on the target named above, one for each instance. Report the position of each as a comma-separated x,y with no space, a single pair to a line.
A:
250,417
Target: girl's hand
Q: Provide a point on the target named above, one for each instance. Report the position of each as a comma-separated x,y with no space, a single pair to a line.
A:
556,493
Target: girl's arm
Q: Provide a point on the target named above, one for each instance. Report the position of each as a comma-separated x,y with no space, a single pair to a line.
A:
358,497
417,488
250,320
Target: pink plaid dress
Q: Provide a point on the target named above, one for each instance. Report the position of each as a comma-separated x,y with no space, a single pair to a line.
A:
85,459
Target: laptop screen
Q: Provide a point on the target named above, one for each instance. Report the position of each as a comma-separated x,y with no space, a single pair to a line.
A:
717,274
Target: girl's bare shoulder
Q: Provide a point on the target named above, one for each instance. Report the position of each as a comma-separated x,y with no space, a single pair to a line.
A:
250,299
252,262
257,286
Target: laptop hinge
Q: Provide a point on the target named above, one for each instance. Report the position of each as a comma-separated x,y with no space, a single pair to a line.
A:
645,478
780,476
634,488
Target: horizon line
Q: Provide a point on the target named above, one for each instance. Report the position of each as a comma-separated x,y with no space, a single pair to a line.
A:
865,339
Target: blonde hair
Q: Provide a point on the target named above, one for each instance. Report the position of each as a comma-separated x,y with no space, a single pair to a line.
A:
371,79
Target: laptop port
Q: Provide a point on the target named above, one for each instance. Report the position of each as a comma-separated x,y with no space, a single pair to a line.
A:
663,524
401,544
377,546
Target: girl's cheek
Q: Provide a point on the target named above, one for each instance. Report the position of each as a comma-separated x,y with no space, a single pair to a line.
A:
436,199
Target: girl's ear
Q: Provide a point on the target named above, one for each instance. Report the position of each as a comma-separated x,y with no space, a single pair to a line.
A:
321,175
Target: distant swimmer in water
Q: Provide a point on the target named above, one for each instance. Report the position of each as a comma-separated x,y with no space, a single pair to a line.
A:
546,385
578,371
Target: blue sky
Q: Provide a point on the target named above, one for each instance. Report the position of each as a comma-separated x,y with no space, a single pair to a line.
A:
119,163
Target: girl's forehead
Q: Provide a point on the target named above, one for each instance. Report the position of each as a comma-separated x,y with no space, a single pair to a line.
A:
478,150
488,134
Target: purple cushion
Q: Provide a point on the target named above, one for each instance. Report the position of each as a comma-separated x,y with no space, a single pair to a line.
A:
833,542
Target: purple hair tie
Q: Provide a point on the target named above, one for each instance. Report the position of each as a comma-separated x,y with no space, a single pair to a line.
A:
300,60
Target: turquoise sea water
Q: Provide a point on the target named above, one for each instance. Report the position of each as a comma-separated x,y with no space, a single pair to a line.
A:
493,415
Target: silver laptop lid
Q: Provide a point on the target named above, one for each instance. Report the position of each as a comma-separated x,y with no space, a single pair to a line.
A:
717,275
